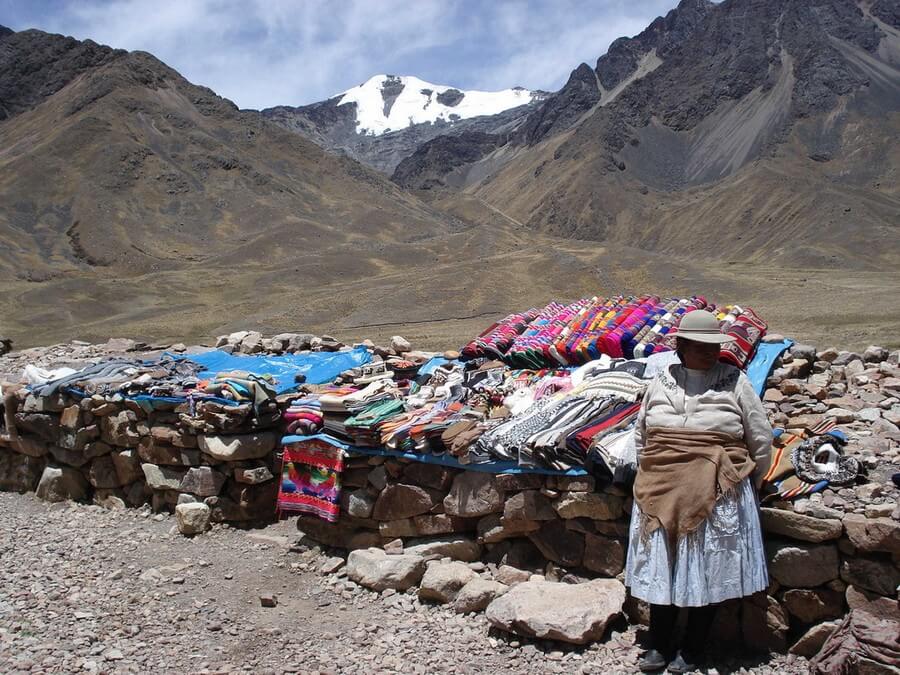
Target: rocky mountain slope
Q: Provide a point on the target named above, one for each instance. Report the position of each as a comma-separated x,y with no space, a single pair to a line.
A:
745,130
389,117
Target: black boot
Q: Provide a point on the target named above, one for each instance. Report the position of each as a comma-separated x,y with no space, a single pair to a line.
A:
690,657
662,623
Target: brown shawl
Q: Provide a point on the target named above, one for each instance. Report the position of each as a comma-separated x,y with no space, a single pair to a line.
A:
681,474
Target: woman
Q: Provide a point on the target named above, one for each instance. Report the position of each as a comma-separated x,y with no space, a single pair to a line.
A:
703,445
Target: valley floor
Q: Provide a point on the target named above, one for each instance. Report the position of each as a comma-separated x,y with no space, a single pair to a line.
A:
86,590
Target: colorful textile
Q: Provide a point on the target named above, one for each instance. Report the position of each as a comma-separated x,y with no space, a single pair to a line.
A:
311,478
620,326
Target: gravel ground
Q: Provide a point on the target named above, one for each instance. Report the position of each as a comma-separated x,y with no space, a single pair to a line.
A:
83,589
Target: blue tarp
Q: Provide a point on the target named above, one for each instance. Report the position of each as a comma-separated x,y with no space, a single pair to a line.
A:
762,362
317,367
443,460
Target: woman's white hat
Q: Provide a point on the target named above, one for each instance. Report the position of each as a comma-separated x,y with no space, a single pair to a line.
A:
701,326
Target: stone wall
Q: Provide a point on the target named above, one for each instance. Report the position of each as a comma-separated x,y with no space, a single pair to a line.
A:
118,454
821,562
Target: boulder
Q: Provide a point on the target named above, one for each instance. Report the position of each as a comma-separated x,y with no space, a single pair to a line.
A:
155,452
764,623
592,505
128,465
473,494
163,477
873,534
102,473
799,526
872,603
457,547
192,518
875,354
432,476
399,500
374,569
494,528
604,555
423,526
167,435
575,613
18,472
31,446
528,505
509,576
559,544
443,581
120,429
514,482
813,605
69,457
202,481
802,565
254,476
237,448
810,643
400,344
360,504
879,576
477,594
61,483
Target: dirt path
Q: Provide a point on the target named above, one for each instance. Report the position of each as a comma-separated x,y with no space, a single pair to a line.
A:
86,590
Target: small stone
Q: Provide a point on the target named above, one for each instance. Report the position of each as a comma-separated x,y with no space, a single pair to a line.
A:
268,600
192,518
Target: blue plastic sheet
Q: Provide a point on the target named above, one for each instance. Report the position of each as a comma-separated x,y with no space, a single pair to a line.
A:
317,367
443,460
761,365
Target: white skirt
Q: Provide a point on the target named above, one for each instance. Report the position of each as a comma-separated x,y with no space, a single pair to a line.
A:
723,558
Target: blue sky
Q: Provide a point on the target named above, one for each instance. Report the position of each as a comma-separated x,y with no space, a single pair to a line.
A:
261,53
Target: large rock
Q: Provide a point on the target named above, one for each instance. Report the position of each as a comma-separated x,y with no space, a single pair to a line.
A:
867,601
399,500
559,544
31,446
457,547
423,526
155,452
70,457
493,528
878,576
799,526
442,581
128,465
61,483
432,476
339,534
576,613
810,643
102,473
374,569
18,472
359,503
473,494
802,565
476,595
873,534
528,505
604,555
163,477
237,448
597,506
166,435
764,623
202,481
120,429
192,518
814,605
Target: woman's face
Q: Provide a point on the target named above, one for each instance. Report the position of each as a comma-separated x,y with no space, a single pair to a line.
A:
698,355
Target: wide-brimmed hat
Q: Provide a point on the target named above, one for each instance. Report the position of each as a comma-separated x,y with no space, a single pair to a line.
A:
701,326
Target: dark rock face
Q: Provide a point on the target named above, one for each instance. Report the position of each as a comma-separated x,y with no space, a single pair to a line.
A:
888,11
558,112
391,88
35,65
427,167
451,97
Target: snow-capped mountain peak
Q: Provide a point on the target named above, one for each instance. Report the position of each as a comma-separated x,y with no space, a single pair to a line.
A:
389,103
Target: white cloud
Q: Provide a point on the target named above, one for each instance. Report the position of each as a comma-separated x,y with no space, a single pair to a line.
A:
261,53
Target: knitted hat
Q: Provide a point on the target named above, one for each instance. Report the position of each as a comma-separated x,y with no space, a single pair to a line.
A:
822,458
701,326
